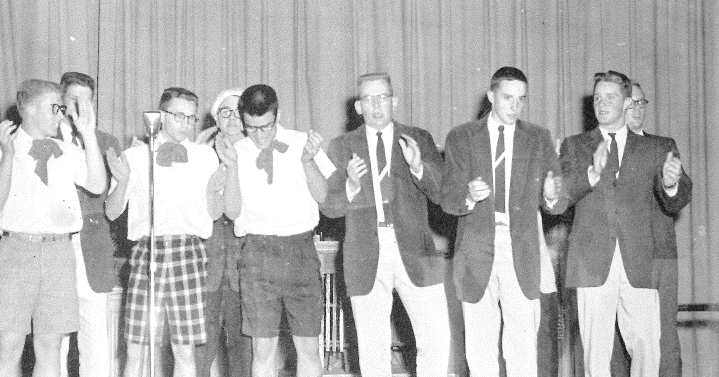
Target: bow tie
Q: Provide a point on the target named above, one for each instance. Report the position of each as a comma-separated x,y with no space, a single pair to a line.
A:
41,151
170,152
265,160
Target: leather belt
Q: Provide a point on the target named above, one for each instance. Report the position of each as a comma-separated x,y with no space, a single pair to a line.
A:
38,237
384,224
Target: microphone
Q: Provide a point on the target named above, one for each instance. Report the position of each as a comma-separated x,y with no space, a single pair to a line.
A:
153,122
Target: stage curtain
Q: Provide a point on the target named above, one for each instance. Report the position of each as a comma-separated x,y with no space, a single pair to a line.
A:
440,55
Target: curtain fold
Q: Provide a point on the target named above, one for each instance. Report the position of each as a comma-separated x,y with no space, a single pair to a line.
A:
440,55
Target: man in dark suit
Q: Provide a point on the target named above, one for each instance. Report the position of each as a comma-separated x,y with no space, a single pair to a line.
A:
386,172
614,177
499,171
665,272
95,259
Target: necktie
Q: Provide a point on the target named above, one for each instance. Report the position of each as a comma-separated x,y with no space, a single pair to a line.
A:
266,162
613,158
386,182
499,172
41,151
170,152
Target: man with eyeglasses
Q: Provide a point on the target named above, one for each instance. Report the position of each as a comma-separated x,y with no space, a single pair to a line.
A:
188,197
614,179
273,189
39,211
665,270
388,172
223,309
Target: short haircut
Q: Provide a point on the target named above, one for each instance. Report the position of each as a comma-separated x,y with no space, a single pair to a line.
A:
508,74
375,76
77,78
30,90
182,93
214,110
625,84
634,83
257,100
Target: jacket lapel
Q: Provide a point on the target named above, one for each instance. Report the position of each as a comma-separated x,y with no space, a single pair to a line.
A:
358,146
520,164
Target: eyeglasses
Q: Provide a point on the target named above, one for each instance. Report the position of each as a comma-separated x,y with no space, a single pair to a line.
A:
640,103
266,127
180,117
377,97
226,112
56,108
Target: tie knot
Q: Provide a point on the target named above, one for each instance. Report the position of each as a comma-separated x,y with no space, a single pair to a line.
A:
379,134
612,134
501,128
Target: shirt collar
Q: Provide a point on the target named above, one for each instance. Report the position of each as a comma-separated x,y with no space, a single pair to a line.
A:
493,124
372,132
620,133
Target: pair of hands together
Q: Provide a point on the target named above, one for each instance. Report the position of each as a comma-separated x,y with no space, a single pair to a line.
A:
357,166
671,169
479,190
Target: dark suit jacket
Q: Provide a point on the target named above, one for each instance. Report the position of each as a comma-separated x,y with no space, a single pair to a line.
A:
98,243
663,232
615,210
468,155
424,265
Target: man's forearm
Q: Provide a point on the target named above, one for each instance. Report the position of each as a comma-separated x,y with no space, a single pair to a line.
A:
316,182
232,195
96,181
115,203
6,180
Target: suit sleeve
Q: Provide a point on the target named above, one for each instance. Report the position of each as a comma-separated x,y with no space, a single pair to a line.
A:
551,163
457,170
431,182
574,170
671,205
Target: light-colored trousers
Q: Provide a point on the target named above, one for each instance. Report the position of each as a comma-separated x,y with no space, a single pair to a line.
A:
503,300
426,307
93,338
636,310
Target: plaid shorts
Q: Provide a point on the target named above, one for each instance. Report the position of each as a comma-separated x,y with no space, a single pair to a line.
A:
179,281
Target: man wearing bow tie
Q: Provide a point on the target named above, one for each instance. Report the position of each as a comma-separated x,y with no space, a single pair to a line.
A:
188,187
273,187
39,210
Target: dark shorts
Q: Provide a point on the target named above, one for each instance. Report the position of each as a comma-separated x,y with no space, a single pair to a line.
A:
277,272
37,281
180,284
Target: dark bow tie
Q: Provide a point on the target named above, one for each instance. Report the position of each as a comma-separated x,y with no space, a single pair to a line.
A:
265,160
41,151
170,152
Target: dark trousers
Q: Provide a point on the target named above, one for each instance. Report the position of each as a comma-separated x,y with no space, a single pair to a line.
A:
224,321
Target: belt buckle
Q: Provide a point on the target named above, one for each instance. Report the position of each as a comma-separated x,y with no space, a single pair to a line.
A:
384,224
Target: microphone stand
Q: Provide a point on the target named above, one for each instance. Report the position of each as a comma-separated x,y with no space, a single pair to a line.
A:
153,121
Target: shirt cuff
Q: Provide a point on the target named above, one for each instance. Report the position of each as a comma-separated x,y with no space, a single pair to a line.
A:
418,175
671,192
592,182
470,203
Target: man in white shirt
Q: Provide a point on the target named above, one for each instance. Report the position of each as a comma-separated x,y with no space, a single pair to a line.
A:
273,187
187,199
388,172
614,176
499,171
39,210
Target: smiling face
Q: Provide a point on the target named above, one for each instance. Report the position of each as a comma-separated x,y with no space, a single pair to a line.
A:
610,105
174,130
40,120
376,103
508,100
230,127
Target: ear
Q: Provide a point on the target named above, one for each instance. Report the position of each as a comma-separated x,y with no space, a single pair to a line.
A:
395,101
358,107
490,96
628,103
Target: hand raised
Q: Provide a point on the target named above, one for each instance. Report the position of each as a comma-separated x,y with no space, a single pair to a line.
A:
356,168
119,167
600,157
313,145
205,137
478,190
671,171
7,137
411,152
226,151
85,121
